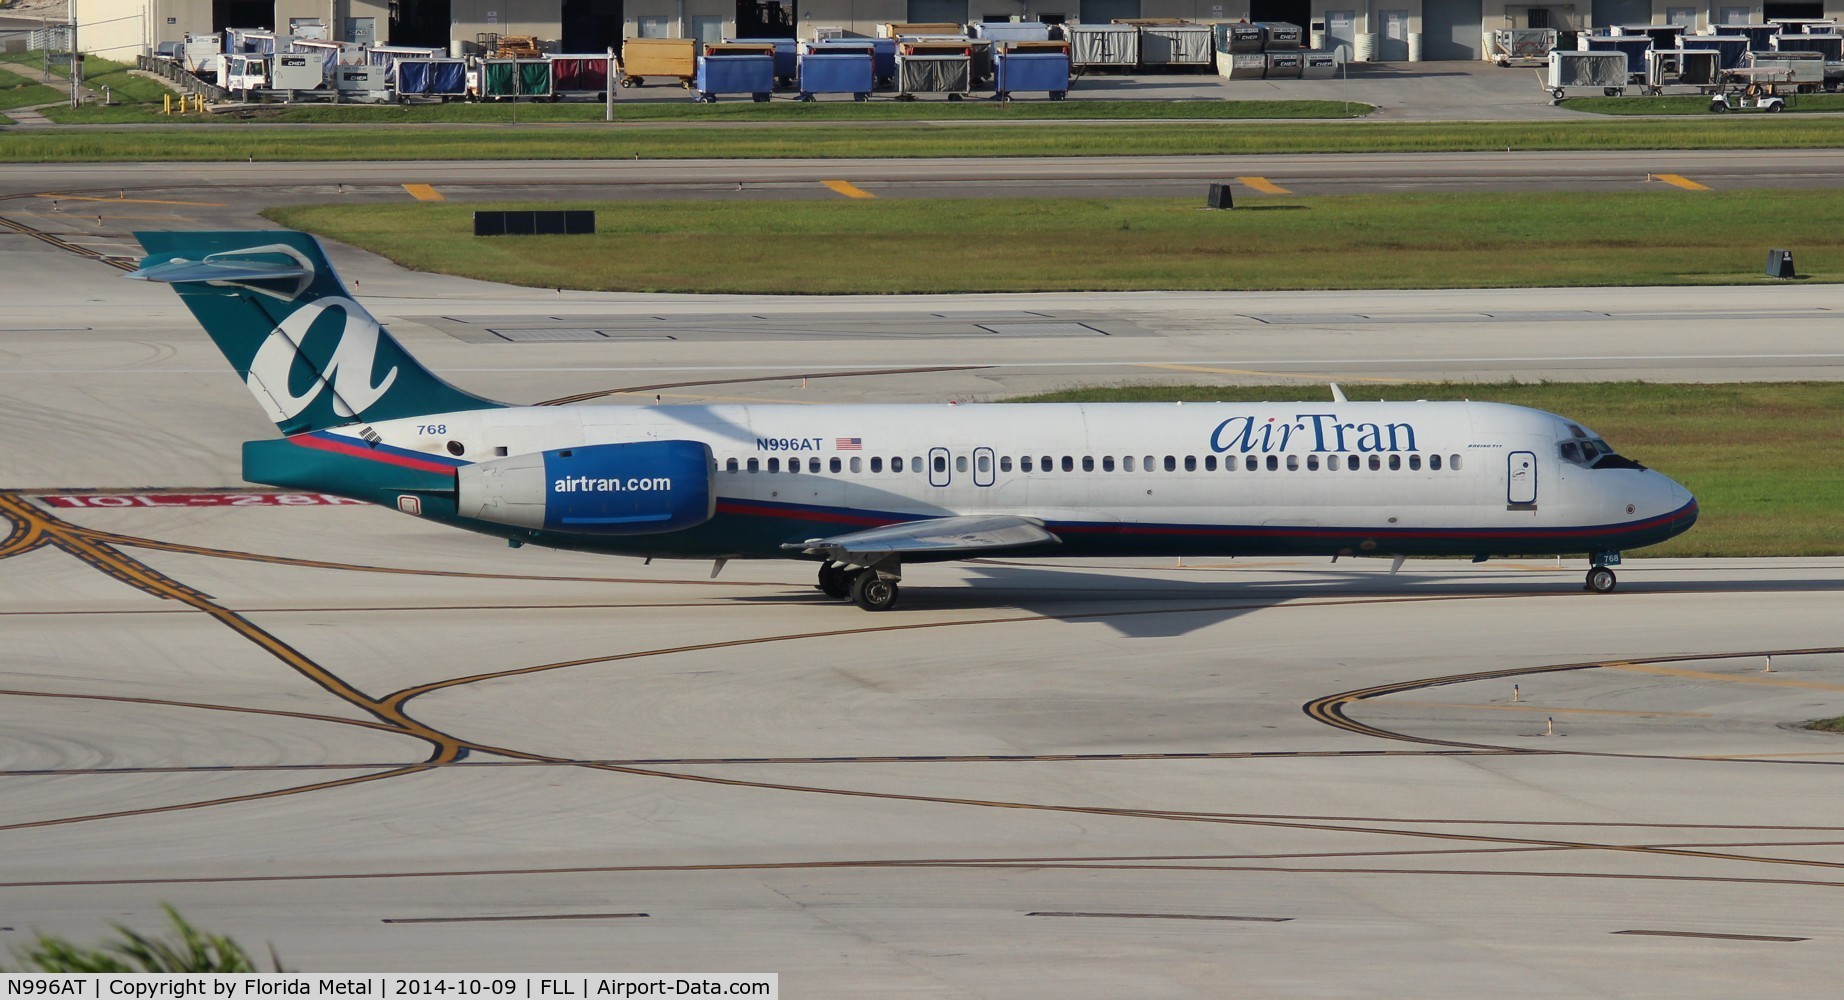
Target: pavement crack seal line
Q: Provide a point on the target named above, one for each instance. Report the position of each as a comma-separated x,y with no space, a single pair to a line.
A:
447,748
63,244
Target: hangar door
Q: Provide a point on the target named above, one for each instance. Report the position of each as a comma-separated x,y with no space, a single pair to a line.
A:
1105,11
1450,29
1608,12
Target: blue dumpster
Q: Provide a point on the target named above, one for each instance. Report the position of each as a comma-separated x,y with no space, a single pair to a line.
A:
735,74
787,60
1013,72
840,68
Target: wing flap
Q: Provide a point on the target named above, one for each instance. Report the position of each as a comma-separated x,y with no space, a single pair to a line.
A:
968,533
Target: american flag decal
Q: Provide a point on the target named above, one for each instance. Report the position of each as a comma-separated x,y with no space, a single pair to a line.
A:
848,444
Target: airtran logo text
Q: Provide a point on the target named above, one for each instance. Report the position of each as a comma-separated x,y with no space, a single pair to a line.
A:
590,484
348,369
1309,432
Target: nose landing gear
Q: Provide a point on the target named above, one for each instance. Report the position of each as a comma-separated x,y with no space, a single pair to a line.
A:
1601,579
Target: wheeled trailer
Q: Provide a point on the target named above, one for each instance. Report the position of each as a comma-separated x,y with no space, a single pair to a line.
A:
1605,72
1030,67
644,59
838,66
735,68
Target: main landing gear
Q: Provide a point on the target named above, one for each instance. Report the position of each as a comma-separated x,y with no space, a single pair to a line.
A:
1601,579
870,589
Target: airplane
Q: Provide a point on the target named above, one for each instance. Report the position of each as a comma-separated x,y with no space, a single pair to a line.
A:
864,489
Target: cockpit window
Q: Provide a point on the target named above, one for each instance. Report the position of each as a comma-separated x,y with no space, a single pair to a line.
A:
1571,451
1593,452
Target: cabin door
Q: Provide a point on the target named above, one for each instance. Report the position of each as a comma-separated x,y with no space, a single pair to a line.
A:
1521,478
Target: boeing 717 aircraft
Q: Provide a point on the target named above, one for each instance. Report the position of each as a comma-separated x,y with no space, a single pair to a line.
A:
865,489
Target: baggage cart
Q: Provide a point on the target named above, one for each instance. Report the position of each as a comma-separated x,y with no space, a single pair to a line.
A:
898,29
1732,50
1700,68
1760,36
1097,46
1782,72
735,68
840,66
1031,67
1522,46
503,79
1577,71
1633,47
589,75
644,59
387,55
1831,47
933,68
787,56
1012,31
437,78
1177,46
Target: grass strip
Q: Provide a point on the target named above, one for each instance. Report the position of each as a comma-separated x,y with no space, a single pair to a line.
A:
1828,725
1661,236
17,92
1765,460
782,110
1695,104
864,140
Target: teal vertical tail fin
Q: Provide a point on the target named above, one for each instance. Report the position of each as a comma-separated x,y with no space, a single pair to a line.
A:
312,356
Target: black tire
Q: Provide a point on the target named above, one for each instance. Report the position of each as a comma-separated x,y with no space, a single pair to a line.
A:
835,581
874,593
1718,108
1774,109
632,81
1602,580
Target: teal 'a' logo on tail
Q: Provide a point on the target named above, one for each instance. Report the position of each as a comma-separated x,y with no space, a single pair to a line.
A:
310,355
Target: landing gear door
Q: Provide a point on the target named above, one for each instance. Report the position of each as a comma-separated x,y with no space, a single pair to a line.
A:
939,471
1521,479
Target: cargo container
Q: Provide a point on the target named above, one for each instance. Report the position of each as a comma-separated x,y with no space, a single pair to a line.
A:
1523,46
1285,65
1700,68
1731,49
902,29
1012,31
1240,37
1784,72
1030,67
586,75
1829,46
1242,65
1602,71
932,67
1177,45
735,68
1280,36
1633,47
644,59
1663,36
298,71
840,66
514,78
1093,46
203,55
332,55
1319,64
258,41
442,78
786,52
362,83
1760,36
387,55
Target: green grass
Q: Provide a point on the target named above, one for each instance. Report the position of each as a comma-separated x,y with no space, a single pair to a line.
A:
18,91
1693,104
1662,236
779,110
857,140
134,92
1765,460
1828,725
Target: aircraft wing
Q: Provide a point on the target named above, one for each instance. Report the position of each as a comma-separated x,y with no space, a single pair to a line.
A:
970,533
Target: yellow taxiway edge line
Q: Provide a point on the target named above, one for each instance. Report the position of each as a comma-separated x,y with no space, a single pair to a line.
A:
848,189
1543,709
130,201
1700,675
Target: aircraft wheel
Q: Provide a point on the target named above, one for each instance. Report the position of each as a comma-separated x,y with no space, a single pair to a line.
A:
1601,580
835,581
873,593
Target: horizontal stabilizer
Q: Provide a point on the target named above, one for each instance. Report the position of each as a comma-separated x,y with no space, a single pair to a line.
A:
970,533
179,269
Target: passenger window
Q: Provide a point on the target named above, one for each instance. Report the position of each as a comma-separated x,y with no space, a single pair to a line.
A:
836,465
1024,463
1107,463
1274,463
1376,462
877,465
1453,462
1126,463
1151,465
1251,463
857,464
1331,462
1434,462
793,465
1088,463
755,465
1049,464
1171,463
774,465
1190,463
960,463
983,463
1293,463
730,466
1210,463
813,464
1069,464
896,464
1414,463
941,463
1312,463
1005,463
915,464
1395,463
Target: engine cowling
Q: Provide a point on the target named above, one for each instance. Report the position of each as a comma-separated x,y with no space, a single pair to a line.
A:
638,488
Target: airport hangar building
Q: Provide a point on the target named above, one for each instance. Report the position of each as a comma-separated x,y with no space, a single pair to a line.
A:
1404,29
